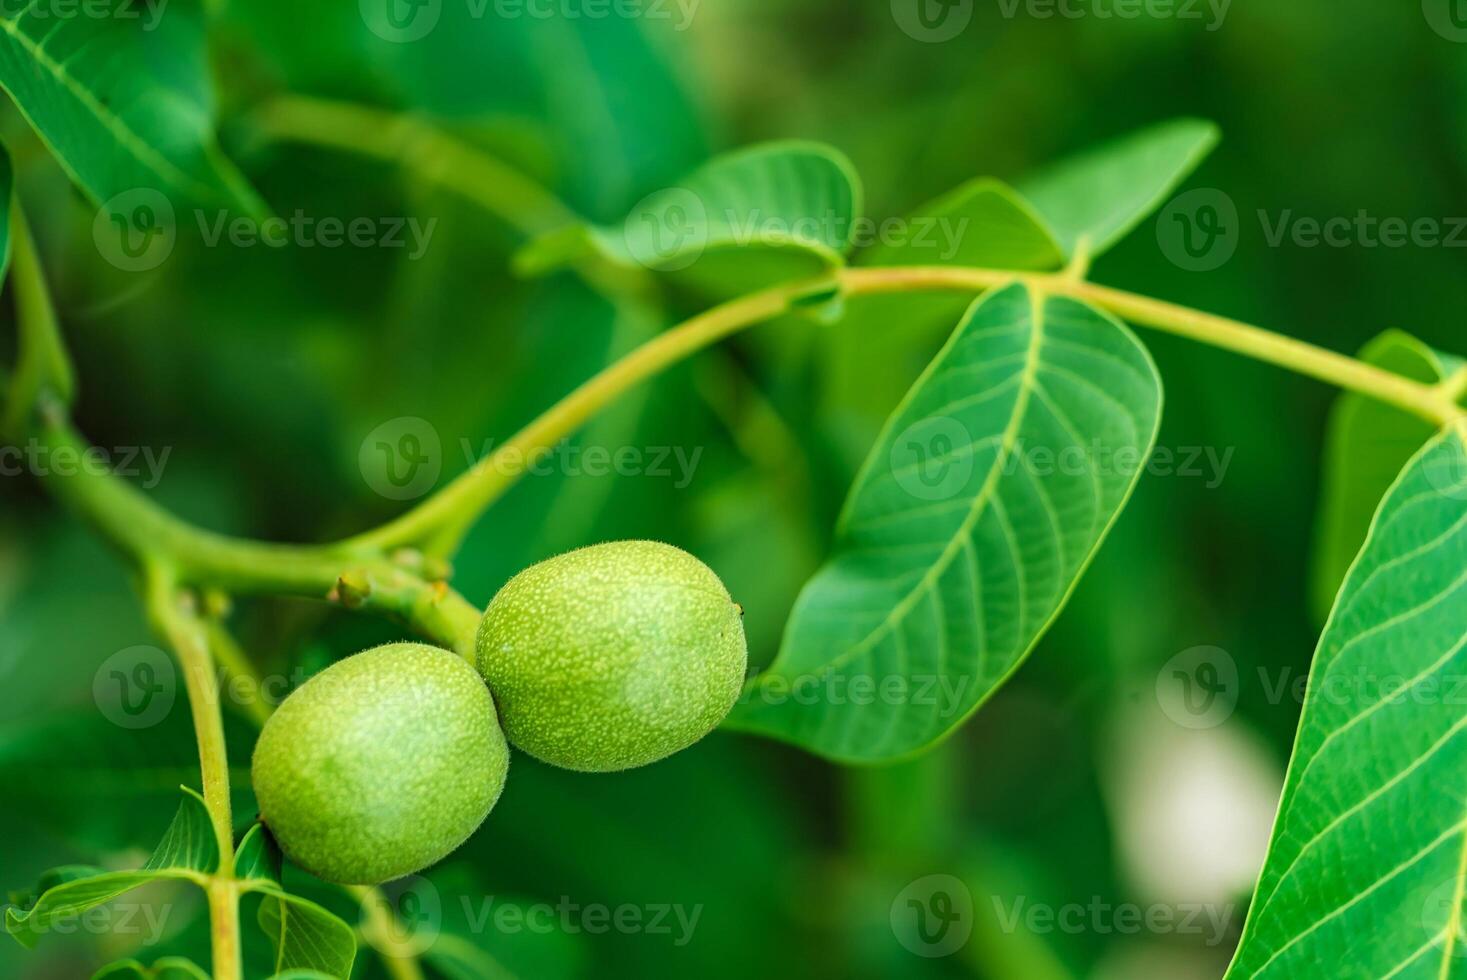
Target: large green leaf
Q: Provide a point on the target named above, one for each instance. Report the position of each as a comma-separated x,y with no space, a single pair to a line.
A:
1368,444
306,937
124,102
769,213
967,529
1366,873
187,852
1103,194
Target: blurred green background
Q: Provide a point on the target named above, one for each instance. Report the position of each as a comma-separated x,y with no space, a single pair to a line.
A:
261,371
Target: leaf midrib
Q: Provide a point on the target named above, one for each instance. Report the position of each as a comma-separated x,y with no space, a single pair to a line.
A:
126,136
1027,380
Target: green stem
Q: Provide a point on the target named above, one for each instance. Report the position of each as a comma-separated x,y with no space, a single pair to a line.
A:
198,557
459,503
174,617
464,499
44,368
425,151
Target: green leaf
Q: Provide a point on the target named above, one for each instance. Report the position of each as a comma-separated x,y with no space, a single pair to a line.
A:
306,936
770,213
1102,195
124,103
983,501
188,852
1367,445
984,222
167,968
258,857
1366,872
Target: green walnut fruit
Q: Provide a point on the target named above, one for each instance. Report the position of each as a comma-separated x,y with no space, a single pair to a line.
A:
380,765
612,656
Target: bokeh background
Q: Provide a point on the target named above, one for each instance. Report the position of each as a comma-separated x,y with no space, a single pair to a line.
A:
261,371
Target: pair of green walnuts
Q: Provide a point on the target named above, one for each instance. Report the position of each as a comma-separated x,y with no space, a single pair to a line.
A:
600,659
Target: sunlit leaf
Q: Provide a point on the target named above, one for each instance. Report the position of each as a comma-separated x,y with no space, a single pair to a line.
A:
1366,875
1103,194
970,524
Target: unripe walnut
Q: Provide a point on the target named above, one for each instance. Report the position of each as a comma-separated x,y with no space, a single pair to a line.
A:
381,765
612,656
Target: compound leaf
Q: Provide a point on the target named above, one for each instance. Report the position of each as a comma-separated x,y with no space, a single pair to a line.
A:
1368,444
188,852
982,503
124,102
1103,194
1366,875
